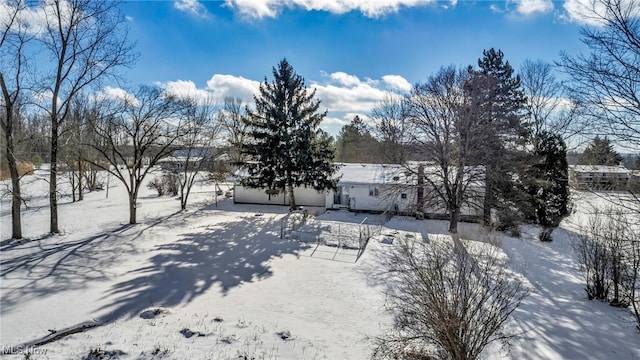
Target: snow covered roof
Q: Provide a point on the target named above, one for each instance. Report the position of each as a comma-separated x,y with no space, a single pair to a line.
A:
599,169
377,174
180,159
350,173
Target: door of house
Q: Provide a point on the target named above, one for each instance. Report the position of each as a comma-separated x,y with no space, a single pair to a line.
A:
341,196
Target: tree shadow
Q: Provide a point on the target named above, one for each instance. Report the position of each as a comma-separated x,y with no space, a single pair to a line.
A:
54,264
46,268
226,255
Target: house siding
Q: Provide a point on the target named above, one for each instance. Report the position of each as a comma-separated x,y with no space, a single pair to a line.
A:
303,197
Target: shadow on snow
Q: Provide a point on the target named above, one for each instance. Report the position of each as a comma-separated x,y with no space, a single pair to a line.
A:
226,255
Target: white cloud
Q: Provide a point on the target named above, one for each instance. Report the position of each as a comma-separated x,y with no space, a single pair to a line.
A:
373,9
119,94
344,95
186,89
345,79
397,82
129,18
529,7
34,17
347,93
30,19
497,9
594,13
234,86
218,87
358,98
192,7
334,121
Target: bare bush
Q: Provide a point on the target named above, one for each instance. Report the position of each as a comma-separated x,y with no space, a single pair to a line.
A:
608,251
591,253
447,302
172,183
156,184
165,184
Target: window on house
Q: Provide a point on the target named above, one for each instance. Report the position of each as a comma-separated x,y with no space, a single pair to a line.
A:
373,191
403,196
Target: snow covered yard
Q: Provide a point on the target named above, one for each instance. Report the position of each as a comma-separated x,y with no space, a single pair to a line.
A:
217,282
213,282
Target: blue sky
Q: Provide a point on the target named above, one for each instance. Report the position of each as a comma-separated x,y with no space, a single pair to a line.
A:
352,51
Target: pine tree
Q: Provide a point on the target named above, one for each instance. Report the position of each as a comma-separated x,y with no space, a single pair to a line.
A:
285,147
500,104
355,143
600,152
549,189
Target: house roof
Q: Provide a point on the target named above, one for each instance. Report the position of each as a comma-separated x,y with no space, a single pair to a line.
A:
599,169
350,173
378,174
397,174
179,159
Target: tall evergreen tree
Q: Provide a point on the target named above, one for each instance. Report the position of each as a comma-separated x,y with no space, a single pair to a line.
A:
600,152
356,144
549,189
500,103
285,147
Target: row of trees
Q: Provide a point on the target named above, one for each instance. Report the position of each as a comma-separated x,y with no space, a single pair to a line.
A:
458,117
61,112
86,42
603,89
475,125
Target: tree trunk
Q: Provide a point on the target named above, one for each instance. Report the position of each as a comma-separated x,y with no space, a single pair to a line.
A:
454,218
72,181
488,196
132,208
292,199
16,222
80,192
53,178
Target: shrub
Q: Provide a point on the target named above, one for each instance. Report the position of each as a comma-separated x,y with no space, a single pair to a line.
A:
165,184
509,222
37,161
447,303
156,184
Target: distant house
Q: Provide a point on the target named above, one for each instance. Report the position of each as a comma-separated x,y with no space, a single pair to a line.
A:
184,158
368,188
599,177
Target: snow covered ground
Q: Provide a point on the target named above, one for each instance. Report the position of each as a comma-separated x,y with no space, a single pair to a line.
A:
218,282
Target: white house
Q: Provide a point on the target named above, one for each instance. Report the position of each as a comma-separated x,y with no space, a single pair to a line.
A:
304,196
369,188
372,187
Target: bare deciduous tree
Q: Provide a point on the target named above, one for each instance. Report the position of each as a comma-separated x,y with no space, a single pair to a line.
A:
606,82
392,128
447,302
13,40
234,127
447,134
87,42
201,131
134,133
549,110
